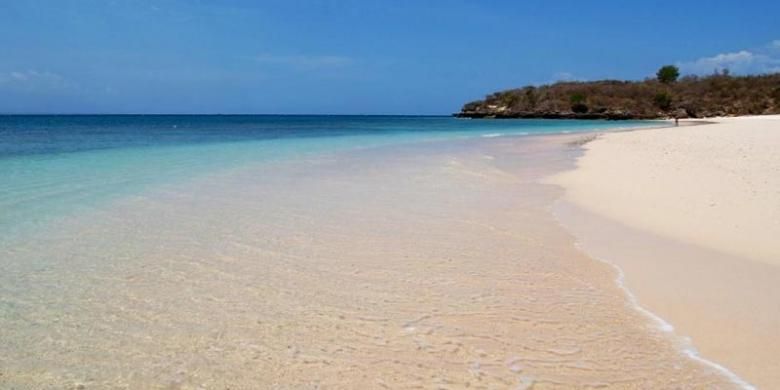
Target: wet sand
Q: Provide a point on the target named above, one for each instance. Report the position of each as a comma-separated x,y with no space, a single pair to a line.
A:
427,266
691,215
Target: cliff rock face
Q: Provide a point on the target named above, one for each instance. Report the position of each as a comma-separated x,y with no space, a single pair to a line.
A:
694,97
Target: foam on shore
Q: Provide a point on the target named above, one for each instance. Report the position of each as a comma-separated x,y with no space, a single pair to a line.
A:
685,343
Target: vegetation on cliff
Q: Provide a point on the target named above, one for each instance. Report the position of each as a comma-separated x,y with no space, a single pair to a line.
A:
668,95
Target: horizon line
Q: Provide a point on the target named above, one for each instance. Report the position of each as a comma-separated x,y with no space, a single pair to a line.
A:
204,114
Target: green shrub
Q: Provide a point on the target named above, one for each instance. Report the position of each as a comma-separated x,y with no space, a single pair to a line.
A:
579,108
663,101
577,98
529,98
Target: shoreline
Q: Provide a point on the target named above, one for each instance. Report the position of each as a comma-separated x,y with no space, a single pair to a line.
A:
425,265
687,287
684,343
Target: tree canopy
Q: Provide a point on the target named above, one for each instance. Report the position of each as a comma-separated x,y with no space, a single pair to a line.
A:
668,74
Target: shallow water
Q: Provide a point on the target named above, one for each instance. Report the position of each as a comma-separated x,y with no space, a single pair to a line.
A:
413,264
59,165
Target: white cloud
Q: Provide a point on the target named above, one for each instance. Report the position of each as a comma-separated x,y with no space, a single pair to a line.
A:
761,60
34,79
559,77
304,62
19,76
740,59
563,76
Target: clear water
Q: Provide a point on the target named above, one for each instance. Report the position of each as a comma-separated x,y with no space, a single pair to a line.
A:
55,165
246,252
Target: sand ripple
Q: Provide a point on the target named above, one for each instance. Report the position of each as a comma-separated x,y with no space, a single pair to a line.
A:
402,268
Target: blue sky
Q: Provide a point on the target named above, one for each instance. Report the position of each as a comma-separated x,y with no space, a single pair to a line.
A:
353,57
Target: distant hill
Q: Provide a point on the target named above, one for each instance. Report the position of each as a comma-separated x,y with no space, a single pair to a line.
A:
695,97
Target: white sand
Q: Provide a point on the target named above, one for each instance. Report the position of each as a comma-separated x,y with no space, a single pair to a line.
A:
692,216
716,185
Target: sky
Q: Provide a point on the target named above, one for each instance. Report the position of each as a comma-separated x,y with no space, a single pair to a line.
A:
354,56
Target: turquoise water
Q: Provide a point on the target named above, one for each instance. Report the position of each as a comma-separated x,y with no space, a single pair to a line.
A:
53,166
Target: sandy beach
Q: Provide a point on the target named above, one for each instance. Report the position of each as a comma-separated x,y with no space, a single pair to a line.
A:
443,195
691,215
437,265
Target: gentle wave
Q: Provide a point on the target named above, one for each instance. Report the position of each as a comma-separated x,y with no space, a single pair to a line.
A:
685,343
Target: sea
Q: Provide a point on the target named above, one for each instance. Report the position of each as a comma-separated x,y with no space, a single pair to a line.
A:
54,165
305,252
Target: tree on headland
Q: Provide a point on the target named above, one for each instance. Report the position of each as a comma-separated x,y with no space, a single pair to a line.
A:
668,74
